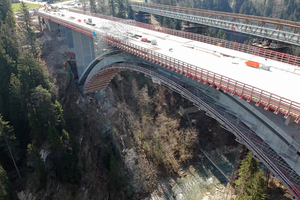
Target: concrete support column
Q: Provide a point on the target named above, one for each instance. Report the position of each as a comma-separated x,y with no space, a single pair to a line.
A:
40,23
70,39
84,50
63,31
51,25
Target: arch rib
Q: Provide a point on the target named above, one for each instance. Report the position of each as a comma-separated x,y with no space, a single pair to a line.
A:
262,150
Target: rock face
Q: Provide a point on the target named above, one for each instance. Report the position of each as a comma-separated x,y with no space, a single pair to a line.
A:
25,195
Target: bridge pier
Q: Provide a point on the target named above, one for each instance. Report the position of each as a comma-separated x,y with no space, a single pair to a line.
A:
84,50
51,25
63,31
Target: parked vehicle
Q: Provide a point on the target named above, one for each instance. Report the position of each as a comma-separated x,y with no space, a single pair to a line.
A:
79,20
153,42
91,24
144,39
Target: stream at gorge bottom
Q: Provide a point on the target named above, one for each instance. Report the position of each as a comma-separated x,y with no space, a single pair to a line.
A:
201,181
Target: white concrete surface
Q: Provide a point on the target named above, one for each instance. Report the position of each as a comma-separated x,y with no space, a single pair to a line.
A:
280,80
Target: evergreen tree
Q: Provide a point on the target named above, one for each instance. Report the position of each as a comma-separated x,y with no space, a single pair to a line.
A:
6,13
130,12
248,8
121,9
222,5
93,6
112,7
29,29
176,24
166,22
208,4
221,34
187,3
35,161
256,187
8,140
6,190
211,32
251,182
237,5
173,2
54,138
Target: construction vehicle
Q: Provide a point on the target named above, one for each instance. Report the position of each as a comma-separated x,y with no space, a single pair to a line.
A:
66,60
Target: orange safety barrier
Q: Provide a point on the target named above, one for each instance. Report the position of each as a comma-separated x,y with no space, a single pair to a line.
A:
252,64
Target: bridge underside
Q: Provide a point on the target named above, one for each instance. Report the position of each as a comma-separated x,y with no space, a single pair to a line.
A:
204,100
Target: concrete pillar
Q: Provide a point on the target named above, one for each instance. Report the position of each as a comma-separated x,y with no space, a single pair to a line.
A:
63,31
40,23
51,25
84,50
70,39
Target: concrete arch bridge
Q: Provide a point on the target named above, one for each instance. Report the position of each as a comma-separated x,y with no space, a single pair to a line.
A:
226,109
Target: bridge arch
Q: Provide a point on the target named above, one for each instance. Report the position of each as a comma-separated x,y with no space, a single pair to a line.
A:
106,58
100,79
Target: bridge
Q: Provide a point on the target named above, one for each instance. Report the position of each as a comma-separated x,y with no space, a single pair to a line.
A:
275,29
180,61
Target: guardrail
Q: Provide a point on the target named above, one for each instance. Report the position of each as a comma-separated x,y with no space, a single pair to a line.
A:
261,97
252,141
269,100
275,29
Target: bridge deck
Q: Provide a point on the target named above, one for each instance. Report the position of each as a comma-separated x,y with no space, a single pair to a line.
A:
281,80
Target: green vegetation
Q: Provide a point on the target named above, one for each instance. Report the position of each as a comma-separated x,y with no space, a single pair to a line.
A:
251,182
16,7
6,190
30,115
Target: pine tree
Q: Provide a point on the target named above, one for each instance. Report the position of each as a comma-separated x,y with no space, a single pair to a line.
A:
250,184
8,140
121,9
176,24
6,190
221,34
112,7
6,13
93,6
25,17
211,32
237,5
257,186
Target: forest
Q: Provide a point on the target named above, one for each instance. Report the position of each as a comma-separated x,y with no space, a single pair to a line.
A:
29,111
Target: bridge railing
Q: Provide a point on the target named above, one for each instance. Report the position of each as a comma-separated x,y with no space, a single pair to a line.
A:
261,97
265,53
269,100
